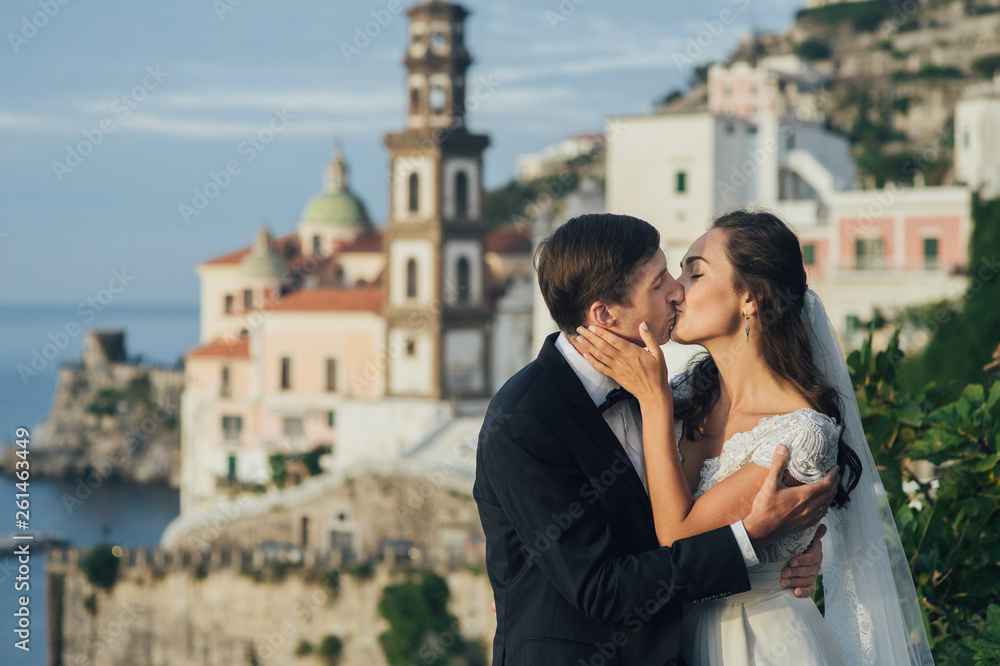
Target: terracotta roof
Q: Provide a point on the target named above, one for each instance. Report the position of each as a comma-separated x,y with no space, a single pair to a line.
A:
222,348
509,239
328,299
369,241
237,256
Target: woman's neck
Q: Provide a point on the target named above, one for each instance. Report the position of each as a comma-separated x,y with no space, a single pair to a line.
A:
746,382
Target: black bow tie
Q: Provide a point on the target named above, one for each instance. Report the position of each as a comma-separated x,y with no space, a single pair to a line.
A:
613,398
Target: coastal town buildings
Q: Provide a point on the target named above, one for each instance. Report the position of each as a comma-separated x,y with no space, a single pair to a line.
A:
864,249
359,345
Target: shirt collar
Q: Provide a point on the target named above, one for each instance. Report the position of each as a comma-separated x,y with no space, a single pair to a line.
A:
596,384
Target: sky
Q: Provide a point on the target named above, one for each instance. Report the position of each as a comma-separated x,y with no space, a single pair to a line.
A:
115,113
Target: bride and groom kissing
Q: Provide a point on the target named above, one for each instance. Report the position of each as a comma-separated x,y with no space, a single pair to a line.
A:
636,519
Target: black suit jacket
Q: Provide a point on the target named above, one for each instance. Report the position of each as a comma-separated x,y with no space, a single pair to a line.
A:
571,551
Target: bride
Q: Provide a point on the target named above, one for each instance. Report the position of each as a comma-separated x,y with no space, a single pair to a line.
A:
774,375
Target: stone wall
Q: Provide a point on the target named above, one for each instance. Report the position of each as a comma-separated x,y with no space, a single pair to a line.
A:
353,514
169,610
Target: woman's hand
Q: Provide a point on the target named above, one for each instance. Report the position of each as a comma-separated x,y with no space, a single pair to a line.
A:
642,372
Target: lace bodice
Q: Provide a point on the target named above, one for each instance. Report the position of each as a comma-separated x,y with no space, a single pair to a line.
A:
811,438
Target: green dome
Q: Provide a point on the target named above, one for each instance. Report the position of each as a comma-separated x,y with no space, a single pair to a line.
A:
262,261
340,209
262,267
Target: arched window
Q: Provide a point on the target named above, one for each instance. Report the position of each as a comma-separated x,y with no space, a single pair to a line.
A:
414,100
462,278
438,99
411,278
461,195
414,192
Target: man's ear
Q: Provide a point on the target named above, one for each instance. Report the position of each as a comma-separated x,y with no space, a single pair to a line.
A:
599,315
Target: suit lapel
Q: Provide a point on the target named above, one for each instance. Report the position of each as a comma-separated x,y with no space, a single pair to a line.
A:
590,420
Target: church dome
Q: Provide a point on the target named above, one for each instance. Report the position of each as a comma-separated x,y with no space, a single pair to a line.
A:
336,206
262,261
341,209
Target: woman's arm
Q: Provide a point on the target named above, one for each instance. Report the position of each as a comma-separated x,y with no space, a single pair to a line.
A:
675,514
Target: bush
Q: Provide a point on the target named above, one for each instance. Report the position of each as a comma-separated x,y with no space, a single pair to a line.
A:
311,459
100,566
813,49
279,469
330,649
938,72
987,66
90,604
363,571
952,538
304,648
420,627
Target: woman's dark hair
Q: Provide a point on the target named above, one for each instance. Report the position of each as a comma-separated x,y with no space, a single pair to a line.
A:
592,258
767,263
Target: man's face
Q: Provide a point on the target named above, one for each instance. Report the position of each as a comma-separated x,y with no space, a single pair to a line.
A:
654,293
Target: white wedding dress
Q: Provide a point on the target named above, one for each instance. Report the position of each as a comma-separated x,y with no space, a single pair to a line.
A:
873,615
767,624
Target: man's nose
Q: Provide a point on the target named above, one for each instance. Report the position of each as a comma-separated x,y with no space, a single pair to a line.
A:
675,291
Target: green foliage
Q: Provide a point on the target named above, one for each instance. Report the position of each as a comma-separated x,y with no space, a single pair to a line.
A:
330,649
671,96
304,648
813,49
987,66
105,403
279,469
980,643
862,16
100,566
363,571
963,337
421,630
930,71
90,603
520,202
138,392
311,459
952,540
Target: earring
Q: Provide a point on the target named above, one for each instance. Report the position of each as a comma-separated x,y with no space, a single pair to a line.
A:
746,329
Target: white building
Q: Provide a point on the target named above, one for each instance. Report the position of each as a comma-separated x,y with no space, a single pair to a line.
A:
884,249
977,138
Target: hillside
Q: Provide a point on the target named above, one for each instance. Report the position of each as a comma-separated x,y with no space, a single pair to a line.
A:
896,71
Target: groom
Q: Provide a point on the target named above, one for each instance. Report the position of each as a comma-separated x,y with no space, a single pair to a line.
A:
577,573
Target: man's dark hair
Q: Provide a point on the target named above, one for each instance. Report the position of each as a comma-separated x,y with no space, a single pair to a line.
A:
592,258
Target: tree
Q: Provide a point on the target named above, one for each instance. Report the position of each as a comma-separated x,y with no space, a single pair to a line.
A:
100,566
421,630
963,338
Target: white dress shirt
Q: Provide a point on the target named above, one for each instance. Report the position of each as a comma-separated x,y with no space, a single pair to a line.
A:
625,422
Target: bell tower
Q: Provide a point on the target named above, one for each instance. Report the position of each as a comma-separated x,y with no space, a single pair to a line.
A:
436,310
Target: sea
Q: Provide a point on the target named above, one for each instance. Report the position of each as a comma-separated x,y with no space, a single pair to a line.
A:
118,514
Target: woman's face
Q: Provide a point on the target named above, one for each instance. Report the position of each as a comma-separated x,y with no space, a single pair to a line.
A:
711,309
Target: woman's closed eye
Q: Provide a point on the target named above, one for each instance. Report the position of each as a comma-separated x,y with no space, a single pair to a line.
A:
695,277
